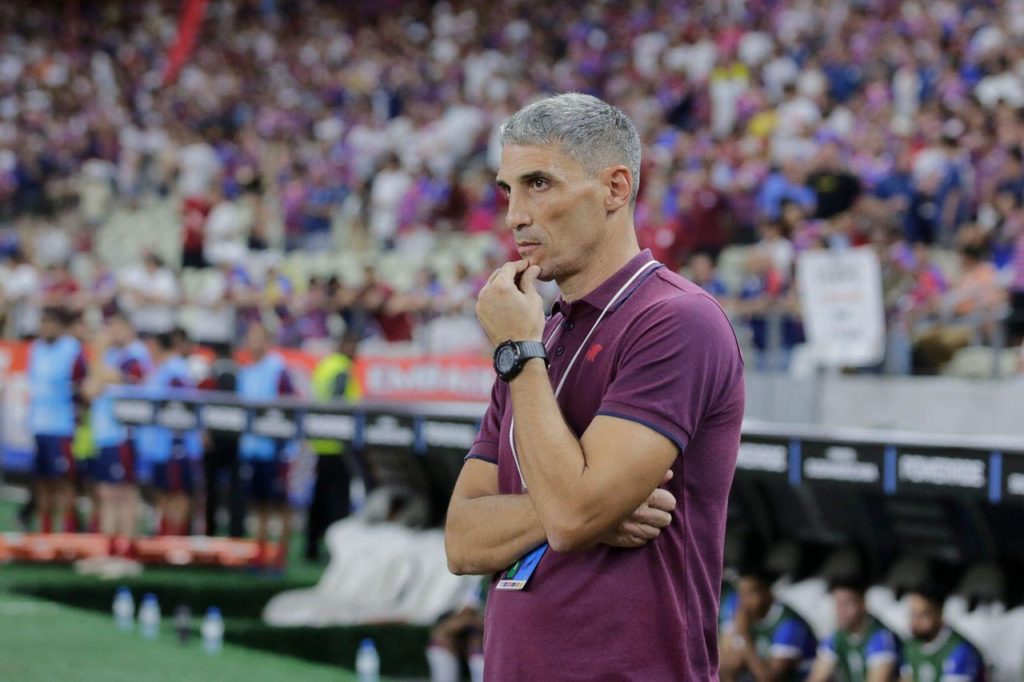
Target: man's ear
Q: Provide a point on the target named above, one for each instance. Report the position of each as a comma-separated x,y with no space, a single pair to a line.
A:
619,181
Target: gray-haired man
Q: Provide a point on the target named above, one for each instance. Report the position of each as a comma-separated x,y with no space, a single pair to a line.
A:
594,576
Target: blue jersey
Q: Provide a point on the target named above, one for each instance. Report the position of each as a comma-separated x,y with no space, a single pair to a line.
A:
51,375
857,652
947,658
729,603
782,633
106,430
157,443
262,381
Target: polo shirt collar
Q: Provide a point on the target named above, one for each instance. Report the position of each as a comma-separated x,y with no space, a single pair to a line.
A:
602,295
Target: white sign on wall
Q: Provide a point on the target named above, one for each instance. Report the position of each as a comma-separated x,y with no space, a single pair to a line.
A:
841,301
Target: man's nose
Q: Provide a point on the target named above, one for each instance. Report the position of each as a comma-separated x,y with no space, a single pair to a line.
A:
517,216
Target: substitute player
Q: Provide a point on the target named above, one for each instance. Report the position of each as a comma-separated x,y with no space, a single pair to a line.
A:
119,358
265,460
937,652
56,368
861,647
170,454
766,639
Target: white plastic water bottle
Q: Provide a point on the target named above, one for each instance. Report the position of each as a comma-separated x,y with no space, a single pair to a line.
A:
124,609
212,630
367,662
149,617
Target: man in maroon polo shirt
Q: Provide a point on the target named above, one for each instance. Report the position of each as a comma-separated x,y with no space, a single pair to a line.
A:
596,490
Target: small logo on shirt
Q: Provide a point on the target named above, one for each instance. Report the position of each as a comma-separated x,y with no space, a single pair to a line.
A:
593,351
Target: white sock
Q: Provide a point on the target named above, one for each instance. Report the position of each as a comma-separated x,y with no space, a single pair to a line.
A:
476,667
444,667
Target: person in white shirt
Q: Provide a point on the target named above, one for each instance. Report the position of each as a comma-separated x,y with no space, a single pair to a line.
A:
389,187
214,321
149,293
198,167
226,229
20,294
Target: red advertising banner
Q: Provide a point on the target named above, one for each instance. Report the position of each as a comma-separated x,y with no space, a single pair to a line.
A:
426,378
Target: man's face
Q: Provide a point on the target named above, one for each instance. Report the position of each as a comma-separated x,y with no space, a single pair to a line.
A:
850,609
120,332
256,340
755,597
701,267
925,618
49,327
556,209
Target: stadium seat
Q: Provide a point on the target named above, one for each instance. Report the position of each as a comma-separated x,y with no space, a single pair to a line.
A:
810,599
980,625
892,612
1007,652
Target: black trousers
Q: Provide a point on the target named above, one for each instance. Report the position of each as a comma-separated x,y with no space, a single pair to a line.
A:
220,466
330,500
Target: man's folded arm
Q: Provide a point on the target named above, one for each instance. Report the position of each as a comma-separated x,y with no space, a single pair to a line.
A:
486,532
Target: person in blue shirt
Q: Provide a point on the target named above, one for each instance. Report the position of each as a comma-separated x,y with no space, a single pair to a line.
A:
861,648
56,368
265,460
169,454
937,652
119,358
766,640
787,183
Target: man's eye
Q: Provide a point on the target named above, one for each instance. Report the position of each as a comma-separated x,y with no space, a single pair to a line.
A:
538,183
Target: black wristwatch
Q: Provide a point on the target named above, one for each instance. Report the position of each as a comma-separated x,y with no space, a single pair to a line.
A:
510,357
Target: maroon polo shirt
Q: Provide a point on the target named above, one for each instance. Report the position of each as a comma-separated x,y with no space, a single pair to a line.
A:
665,356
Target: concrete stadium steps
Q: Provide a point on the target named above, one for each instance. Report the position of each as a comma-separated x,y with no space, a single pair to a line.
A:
156,225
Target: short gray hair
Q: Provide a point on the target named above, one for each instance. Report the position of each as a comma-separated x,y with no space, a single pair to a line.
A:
591,132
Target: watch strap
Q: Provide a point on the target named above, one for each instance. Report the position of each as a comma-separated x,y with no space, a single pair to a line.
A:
532,349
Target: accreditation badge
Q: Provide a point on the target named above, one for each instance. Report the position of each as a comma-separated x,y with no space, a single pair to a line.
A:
518,574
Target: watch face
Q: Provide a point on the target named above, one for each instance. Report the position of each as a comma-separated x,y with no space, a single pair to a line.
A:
505,360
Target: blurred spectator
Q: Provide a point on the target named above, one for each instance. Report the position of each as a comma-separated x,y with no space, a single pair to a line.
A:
835,189
21,288
705,214
391,311
702,273
149,294
226,230
774,242
213,320
765,304
334,378
785,184
389,186
311,329
972,306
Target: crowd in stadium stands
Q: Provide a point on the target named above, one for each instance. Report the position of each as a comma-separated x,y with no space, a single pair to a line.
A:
784,125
